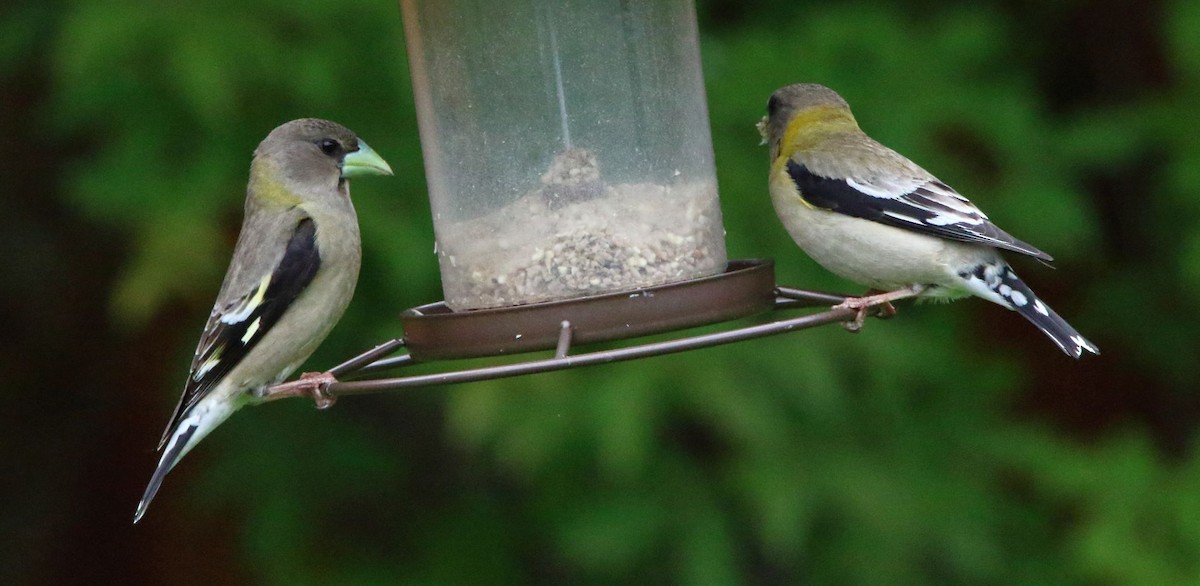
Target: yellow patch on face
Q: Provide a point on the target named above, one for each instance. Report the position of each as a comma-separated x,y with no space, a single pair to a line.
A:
807,126
267,189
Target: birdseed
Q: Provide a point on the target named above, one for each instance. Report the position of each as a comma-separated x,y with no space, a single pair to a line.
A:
579,236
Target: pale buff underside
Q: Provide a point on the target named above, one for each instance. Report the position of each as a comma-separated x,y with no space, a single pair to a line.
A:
317,309
873,254
311,317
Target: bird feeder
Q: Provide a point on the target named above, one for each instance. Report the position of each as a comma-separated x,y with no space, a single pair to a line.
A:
568,157
570,171
567,147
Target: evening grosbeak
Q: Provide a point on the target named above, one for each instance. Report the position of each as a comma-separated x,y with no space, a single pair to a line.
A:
868,214
292,275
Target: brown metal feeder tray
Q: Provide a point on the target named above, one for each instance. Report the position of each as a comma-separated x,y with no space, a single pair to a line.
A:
435,332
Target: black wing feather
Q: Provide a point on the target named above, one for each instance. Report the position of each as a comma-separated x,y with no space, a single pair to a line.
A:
916,210
230,342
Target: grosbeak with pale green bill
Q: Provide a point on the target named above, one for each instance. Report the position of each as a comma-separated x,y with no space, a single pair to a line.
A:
293,272
868,214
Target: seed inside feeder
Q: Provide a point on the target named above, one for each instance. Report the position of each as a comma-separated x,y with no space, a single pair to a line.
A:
578,235
574,176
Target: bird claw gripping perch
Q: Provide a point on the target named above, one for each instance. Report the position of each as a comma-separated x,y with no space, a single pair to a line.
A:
884,310
880,301
316,386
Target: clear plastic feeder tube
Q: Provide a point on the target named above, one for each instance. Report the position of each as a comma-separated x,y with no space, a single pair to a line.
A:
566,144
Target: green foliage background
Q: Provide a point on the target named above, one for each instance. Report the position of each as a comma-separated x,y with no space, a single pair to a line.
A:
950,445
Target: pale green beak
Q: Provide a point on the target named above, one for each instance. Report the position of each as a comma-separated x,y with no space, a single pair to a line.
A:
364,161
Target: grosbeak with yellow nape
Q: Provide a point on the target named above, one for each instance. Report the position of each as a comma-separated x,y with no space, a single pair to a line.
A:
293,272
870,215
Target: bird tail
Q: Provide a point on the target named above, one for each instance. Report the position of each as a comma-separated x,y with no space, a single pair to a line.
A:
200,420
999,284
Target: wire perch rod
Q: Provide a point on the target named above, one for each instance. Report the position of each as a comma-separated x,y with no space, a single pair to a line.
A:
599,357
374,360
367,358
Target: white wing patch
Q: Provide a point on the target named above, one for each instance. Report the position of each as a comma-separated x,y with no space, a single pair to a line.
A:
209,364
950,208
251,330
932,202
913,201
902,217
249,305
883,189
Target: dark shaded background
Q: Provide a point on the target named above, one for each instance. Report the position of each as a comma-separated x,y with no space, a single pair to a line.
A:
953,444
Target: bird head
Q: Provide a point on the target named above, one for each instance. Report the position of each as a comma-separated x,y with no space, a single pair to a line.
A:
803,108
309,155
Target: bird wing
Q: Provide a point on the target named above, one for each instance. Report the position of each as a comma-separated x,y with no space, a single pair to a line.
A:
913,203
235,327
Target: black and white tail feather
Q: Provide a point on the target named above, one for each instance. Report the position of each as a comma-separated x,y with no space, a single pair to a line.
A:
997,283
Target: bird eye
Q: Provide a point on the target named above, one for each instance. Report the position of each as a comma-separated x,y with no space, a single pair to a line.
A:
329,146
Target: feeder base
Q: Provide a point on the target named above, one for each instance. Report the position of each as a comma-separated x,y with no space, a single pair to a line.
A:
435,332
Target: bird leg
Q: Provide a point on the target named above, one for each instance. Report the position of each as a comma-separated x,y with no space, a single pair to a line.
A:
875,298
316,385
